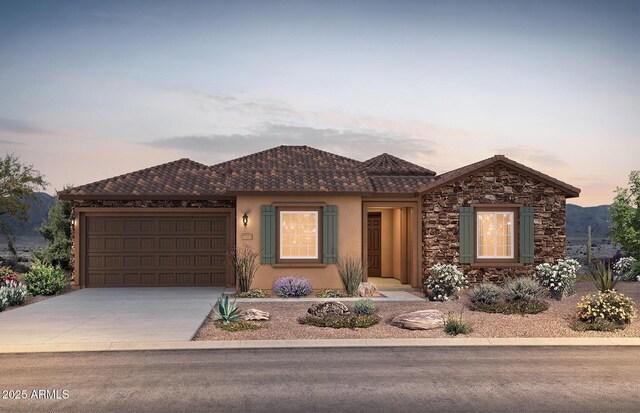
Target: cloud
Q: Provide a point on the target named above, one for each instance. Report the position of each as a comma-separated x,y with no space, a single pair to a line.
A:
6,142
534,155
357,144
20,126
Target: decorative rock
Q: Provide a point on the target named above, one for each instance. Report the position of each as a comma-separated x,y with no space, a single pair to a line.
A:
420,320
328,308
253,314
368,289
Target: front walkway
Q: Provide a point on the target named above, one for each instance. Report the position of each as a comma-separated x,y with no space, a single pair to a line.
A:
98,315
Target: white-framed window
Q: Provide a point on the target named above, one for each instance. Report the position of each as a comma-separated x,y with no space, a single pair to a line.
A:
298,235
494,234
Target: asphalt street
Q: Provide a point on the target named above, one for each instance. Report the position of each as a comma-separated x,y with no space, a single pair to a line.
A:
426,379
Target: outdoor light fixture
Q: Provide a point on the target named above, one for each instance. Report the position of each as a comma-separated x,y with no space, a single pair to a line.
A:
245,219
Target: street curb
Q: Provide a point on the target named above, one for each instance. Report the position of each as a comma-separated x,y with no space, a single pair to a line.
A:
340,343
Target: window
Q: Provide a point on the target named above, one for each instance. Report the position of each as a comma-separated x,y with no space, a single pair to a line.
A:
298,235
495,234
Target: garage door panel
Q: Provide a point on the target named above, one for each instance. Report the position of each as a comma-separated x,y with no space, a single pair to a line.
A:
148,250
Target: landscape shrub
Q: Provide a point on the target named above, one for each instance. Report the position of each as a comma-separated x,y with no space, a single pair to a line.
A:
245,264
364,307
226,312
455,325
15,293
444,282
558,278
4,301
346,321
292,287
330,293
255,293
523,289
626,269
602,276
351,270
604,310
241,325
45,279
7,275
486,293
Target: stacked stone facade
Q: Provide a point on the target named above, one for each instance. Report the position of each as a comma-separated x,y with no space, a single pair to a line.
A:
492,185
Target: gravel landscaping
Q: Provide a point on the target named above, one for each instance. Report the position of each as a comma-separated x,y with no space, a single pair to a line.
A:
554,322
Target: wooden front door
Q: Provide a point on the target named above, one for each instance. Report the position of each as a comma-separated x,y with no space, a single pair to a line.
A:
373,244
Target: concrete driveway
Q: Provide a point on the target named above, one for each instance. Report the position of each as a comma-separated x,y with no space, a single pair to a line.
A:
110,315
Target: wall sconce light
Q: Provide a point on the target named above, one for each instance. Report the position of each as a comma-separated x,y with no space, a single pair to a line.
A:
245,219
73,221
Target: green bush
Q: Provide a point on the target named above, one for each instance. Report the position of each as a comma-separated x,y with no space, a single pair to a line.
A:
350,270
329,293
255,293
455,325
57,230
364,307
238,326
486,293
346,321
517,307
523,289
45,279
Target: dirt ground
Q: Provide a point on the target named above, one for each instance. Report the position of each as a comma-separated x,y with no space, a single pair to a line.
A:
554,322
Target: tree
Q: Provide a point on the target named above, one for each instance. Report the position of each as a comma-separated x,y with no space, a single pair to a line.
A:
57,230
625,216
18,182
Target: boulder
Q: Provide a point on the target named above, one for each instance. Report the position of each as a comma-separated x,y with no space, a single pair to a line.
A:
328,309
420,320
253,314
368,289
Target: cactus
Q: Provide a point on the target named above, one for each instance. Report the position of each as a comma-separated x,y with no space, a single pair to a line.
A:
589,245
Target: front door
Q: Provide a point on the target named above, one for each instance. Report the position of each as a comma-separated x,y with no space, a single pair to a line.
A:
373,243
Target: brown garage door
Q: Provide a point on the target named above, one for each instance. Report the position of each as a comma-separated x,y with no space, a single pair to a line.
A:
151,249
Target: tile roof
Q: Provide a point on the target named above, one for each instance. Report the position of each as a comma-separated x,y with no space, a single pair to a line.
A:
386,164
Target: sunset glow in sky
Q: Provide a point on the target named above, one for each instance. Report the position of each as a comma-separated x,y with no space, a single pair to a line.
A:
90,90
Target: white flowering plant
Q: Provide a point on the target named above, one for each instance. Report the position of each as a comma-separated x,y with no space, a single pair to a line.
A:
444,282
558,278
14,293
3,298
624,268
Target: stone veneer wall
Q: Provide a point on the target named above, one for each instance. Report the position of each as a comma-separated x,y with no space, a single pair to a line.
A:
139,204
493,185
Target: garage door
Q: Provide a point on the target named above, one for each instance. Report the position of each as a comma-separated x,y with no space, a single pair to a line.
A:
152,249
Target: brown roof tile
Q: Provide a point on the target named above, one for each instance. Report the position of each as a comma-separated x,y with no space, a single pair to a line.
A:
386,164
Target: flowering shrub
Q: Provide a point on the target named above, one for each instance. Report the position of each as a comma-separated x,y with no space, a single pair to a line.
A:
14,292
444,282
606,308
558,278
292,287
7,275
624,268
4,301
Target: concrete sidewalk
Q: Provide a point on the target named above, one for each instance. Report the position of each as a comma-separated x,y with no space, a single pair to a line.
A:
340,343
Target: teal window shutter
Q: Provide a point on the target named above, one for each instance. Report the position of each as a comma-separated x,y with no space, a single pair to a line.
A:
268,234
330,234
527,245
466,235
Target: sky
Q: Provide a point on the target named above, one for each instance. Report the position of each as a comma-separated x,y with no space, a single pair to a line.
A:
93,89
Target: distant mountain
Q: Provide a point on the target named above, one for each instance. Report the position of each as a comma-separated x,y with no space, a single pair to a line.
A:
578,218
38,212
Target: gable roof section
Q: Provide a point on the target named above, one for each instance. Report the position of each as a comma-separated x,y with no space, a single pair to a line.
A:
386,164
181,178
456,174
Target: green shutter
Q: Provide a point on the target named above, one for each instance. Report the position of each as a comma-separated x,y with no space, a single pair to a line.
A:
330,234
526,235
268,234
466,235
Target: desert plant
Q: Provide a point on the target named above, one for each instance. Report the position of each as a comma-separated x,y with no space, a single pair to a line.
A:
238,326
255,293
624,269
486,293
345,321
607,307
350,269
330,293
292,287
45,279
245,265
522,290
225,311
364,307
15,293
602,277
589,244
558,278
444,281
455,325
